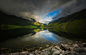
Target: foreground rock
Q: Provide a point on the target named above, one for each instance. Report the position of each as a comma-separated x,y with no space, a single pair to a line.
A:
77,48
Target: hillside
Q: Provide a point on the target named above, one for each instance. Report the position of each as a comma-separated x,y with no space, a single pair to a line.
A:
75,16
79,17
13,20
74,24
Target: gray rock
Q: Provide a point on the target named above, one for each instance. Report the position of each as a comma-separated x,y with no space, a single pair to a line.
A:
71,48
66,52
70,44
39,52
56,52
47,49
31,54
53,49
60,54
77,42
66,46
24,52
85,49
44,53
43,50
83,53
57,47
79,50
73,52
75,45
36,51
63,52
60,50
84,44
81,45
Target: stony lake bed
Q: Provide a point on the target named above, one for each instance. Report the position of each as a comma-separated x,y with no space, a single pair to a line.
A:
75,48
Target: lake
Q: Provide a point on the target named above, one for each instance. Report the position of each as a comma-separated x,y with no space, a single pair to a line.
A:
17,40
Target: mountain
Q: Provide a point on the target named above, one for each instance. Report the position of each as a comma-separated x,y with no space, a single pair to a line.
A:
6,19
76,16
74,24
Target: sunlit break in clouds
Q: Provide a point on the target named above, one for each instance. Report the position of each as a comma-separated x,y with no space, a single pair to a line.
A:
49,16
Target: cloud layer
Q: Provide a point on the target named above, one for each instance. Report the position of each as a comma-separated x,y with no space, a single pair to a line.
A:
71,7
38,9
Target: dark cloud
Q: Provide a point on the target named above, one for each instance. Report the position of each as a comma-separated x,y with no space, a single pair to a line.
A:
39,8
71,7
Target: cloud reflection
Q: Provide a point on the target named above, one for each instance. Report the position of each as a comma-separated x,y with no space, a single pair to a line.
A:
30,39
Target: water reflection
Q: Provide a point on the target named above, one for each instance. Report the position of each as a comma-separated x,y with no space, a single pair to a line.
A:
48,35
39,39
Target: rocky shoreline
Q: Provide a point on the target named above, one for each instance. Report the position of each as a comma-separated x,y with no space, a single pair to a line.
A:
77,48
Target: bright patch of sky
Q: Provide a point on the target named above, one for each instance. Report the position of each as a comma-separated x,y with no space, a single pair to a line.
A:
49,16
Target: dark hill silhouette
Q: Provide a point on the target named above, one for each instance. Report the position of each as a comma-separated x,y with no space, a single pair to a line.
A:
13,20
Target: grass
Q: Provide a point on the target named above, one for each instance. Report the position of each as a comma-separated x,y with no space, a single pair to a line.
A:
14,26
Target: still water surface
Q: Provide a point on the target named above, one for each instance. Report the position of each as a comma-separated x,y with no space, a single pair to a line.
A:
31,41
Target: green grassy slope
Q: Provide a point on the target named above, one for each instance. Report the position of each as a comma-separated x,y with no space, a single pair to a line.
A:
74,24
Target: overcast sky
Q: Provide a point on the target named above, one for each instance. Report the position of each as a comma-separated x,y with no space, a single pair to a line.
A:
41,10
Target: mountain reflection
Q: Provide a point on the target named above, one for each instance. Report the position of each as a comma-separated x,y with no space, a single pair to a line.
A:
29,39
33,40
